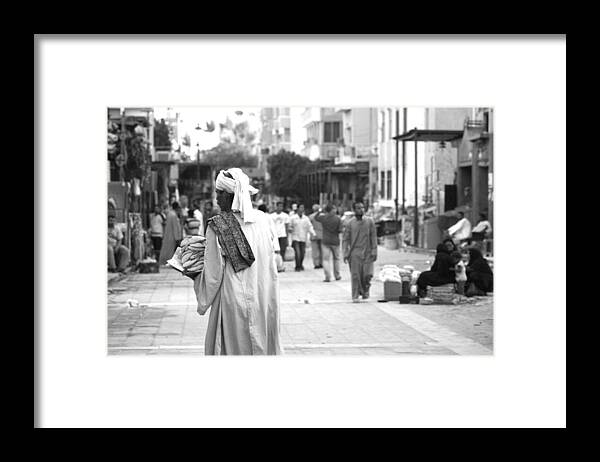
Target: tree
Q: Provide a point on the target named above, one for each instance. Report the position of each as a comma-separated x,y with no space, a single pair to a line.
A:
162,140
227,155
285,168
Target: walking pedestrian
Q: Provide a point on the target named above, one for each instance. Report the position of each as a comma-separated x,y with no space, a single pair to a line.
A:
360,251
157,229
239,282
317,239
300,228
282,220
278,258
198,216
332,227
173,234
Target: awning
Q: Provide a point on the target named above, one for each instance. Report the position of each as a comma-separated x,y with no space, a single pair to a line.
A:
429,135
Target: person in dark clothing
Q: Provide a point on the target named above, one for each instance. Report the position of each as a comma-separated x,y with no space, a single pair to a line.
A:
450,245
441,271
480,278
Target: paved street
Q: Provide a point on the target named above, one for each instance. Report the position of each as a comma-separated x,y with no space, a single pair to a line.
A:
317,318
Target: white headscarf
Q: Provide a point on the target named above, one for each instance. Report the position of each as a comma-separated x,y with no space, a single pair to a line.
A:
241,189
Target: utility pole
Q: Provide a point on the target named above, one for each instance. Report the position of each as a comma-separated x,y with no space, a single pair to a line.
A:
397,161
404,165
416,221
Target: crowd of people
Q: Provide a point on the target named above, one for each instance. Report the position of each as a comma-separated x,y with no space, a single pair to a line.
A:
168,225
246,246
333,235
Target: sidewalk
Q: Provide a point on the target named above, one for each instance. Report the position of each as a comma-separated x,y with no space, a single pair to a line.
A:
317,318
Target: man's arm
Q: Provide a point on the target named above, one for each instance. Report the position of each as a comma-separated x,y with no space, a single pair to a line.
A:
346,243
373,239
311,229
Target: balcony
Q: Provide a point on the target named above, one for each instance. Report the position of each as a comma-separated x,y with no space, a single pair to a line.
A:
474,123
346,155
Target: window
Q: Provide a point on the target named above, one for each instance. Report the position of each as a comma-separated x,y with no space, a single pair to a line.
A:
382,192
382,133
389,184
332,132
287,135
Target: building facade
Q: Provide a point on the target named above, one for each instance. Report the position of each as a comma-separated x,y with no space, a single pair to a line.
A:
397,160
276,131
323,131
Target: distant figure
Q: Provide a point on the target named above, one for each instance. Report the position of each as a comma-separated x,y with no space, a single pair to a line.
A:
157,229
332,227
191,225
346,217
300,228
209,212
183,204
282,220
278,258
316,240
360,251
198,216
292,213
460,232
481,231
118,254
173,234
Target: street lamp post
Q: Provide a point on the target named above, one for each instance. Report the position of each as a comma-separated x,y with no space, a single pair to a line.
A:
198,128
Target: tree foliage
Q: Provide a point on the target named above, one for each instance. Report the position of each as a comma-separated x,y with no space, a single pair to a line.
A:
227,155
284,169
162,140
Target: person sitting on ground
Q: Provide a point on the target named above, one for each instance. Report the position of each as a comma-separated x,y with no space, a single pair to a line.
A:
450,245
441,271
480,278
118,254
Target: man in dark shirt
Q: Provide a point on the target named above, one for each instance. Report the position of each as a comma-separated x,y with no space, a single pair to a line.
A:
332,227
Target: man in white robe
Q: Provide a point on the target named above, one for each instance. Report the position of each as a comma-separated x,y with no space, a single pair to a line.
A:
461,230
239,281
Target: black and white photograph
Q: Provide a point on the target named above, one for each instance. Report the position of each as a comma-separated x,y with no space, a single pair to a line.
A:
300,230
